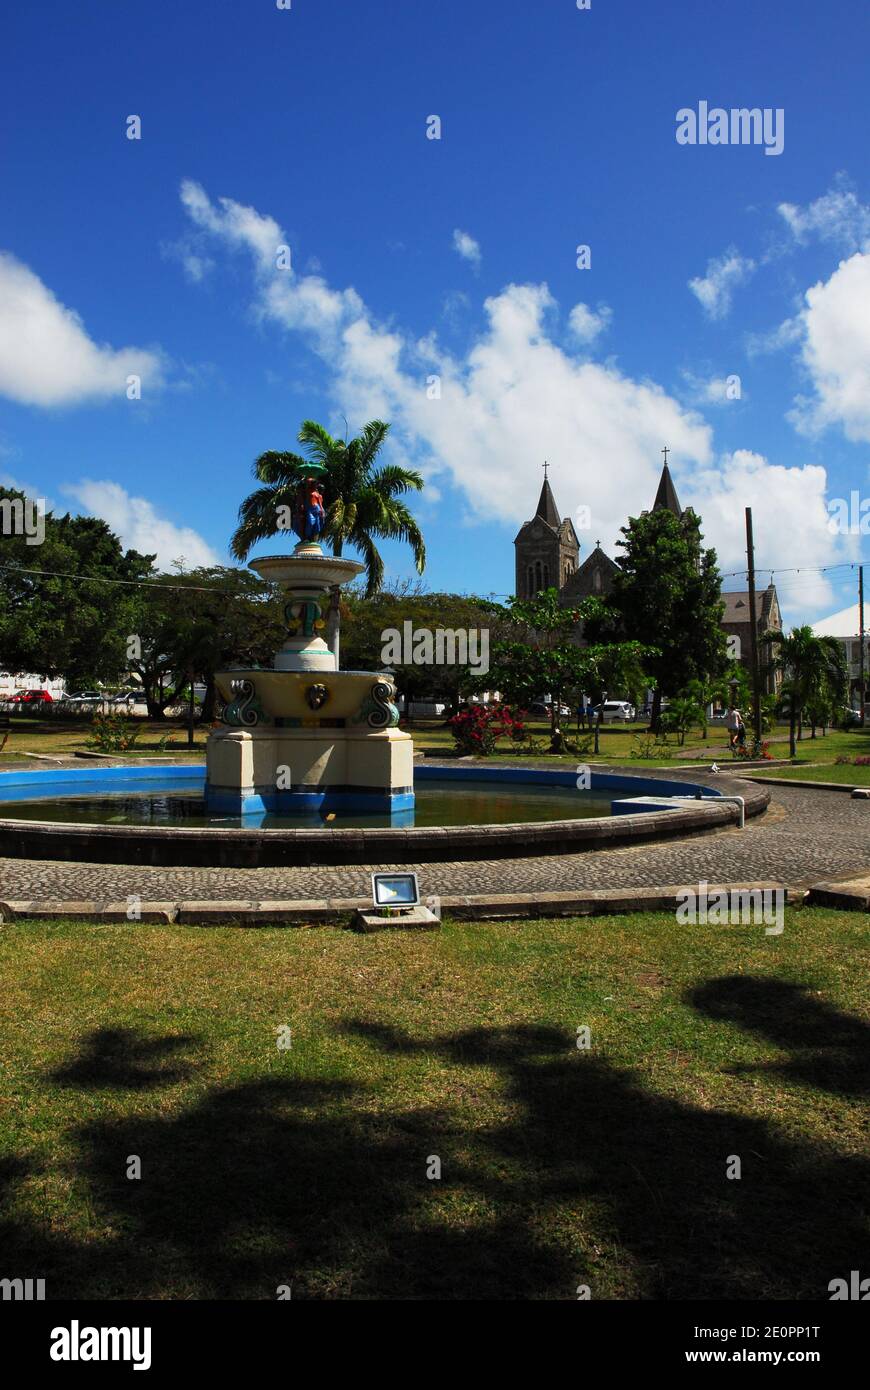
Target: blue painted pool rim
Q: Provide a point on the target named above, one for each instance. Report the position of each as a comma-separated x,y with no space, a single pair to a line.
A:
74,781
253,848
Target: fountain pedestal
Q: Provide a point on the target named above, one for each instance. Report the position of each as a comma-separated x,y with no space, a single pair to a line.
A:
303,736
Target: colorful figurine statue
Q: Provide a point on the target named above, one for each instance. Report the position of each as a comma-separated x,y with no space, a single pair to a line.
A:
308,515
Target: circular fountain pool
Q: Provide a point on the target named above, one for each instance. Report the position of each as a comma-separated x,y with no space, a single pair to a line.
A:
436,804
150,815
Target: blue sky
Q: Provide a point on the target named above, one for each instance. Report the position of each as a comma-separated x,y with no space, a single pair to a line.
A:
456,257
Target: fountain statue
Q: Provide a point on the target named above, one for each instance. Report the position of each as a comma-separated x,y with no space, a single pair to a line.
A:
304,736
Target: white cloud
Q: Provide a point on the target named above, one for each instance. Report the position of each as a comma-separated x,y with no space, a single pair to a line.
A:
586,324
517,396
713,390
836,352
724,274
188,253
514,399
789,332
837,216
139,525
239,225
465,245
790,519
46,355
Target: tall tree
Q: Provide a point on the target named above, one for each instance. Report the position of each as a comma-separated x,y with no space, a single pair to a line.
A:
814,673
543,658
67,605
189,625
363,500
667,594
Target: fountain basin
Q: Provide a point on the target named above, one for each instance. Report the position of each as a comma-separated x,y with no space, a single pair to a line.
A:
283,696
307,568
389,844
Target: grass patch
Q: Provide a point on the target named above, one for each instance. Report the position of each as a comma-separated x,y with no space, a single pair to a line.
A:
308,1166
844,773
65,739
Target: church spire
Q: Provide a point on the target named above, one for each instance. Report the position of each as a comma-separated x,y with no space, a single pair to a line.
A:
667,494
547,508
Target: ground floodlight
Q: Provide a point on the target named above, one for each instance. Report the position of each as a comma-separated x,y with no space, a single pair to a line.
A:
395,890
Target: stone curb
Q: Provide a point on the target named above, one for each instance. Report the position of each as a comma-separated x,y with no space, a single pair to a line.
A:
855,898
340,911
808,786
131,845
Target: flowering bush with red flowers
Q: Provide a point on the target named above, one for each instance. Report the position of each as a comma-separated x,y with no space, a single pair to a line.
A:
477,728
758,750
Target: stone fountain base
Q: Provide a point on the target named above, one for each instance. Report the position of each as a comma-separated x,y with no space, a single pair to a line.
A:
304,736
285,771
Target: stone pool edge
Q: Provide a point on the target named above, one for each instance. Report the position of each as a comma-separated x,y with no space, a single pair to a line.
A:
214,848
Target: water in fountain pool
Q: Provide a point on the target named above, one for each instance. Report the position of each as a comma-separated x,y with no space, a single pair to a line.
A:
437,804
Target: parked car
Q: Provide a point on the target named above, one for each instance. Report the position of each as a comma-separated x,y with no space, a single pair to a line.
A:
615,712
85,697
31,697
426,709
127,697
542,709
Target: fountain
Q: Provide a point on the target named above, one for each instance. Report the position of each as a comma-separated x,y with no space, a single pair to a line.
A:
305,736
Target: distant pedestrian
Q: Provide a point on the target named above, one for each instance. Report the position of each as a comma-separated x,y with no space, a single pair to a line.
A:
736,729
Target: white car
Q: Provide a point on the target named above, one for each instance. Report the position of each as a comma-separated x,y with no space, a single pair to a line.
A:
85,697
616,712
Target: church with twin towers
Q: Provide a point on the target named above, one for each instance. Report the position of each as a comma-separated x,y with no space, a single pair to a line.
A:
548,552
547,555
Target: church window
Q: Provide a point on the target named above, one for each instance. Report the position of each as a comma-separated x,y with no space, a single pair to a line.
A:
531,582
538,580
546,576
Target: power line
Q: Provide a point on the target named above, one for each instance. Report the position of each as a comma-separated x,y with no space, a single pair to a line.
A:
100,579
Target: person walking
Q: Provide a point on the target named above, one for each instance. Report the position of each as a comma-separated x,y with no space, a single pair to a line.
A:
736,729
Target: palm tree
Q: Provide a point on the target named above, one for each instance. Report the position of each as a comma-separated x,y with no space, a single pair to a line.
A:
813,668
363,501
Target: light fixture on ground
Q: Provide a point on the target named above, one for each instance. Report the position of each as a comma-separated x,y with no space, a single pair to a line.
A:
395,903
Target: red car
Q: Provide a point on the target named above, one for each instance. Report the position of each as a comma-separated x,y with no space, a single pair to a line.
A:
31,697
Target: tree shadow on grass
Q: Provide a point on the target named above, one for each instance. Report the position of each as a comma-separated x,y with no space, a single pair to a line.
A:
830,1050
657,1168
124,1059
308,1183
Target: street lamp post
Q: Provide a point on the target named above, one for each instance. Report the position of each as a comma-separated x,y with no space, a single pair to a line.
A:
598,718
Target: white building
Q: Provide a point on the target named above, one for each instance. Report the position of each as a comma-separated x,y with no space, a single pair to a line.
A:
10,684
846,627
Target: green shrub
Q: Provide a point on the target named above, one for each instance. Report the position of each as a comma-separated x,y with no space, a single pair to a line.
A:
112,733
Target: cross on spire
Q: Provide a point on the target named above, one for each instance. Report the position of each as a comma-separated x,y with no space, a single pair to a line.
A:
545,466
666,451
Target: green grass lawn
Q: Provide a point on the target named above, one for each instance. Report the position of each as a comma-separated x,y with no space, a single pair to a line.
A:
844,773
65,738
308,1166
616,746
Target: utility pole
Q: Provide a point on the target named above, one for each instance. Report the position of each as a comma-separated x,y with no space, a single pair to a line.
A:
753,644
861,643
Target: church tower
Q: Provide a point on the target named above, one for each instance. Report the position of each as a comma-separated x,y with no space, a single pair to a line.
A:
666,497
547,549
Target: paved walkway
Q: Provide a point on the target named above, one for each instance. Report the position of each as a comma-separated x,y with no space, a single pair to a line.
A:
805,836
